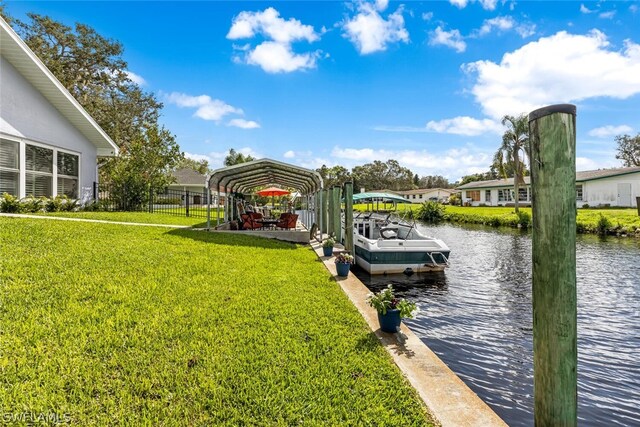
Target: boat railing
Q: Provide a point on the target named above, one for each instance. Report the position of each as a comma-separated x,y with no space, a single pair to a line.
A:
446,260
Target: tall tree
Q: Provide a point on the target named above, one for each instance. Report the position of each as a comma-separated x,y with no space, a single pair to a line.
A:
382,175
436,181
515,141
234,158
200,166
335,175
628,149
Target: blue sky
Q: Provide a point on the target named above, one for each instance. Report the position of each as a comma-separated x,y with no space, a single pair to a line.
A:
330,82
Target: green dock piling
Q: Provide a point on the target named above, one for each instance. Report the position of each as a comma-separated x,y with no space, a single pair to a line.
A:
552,133
348,216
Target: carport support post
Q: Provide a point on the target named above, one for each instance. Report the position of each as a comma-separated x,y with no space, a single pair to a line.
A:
348,216
324,210
332,207
336,214
552,133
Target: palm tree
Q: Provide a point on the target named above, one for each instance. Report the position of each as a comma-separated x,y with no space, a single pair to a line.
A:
514,140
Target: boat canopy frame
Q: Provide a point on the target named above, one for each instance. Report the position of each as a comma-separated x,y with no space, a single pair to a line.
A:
245,176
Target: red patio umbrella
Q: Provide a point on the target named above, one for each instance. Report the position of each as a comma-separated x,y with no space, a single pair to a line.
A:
272,191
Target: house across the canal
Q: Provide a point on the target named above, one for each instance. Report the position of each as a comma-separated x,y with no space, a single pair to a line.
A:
421,195
612,187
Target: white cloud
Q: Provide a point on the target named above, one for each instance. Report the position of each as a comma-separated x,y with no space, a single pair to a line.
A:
216,158
243,124
452,163
584,9
427,16
460,4
451,39
634,8
370,32
289,154
464,125
486,4
557,69
381,5
501,23
208,108
610,131
136,78
271,25
274,55
607,15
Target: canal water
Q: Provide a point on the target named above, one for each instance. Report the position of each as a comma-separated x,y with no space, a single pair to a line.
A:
477,317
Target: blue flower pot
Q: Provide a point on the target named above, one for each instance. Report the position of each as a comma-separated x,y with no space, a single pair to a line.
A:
390,322
343,268
327,251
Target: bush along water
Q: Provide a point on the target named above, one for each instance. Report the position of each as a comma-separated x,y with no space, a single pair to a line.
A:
431,212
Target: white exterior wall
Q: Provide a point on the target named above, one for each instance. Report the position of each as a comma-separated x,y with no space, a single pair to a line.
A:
27,116
605,191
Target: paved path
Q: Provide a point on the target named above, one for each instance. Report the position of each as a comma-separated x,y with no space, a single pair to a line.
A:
101,221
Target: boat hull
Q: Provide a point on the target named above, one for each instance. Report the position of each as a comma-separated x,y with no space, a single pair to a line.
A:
393,260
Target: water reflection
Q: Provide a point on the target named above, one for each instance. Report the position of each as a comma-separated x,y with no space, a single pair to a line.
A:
477,316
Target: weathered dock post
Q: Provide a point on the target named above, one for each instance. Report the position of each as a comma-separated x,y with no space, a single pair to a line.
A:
337,209
332,207
552,132
324,211
348,216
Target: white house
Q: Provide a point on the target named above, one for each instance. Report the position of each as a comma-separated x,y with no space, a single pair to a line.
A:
195,183
426,194
48,143
613,187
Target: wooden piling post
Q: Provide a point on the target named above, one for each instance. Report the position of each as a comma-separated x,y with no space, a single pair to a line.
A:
348,216
324,210
552,132
337,209
330,217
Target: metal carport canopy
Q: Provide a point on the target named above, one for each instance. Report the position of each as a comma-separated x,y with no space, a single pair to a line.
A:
245,176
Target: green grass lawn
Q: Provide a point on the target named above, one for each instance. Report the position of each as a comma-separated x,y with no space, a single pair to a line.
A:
120,325
140,217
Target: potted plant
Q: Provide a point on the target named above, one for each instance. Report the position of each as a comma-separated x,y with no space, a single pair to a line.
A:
343,263
391,310
327,247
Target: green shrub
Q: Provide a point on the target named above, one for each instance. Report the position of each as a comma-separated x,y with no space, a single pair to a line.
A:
585,206
431,212
10,204
524,219
603,224
32,204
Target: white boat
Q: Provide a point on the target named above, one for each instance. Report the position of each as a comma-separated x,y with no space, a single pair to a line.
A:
387,244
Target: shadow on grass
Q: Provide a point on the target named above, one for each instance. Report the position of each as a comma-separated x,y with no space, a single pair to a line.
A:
230,239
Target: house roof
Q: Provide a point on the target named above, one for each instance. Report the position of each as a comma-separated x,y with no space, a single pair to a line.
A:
188,176
425,190
16,51
245,176
580,177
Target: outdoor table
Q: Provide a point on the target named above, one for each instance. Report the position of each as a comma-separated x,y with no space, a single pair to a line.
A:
268,223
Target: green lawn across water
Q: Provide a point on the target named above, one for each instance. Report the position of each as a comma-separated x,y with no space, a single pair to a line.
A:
122,325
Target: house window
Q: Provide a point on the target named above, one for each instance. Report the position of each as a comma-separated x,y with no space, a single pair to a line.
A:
9,167
505,195
474,195
523,194
414,196
68,175
39,171
579,192
487,196
421,196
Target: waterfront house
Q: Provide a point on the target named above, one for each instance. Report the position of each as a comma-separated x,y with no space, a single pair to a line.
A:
426,194
602,187
49,144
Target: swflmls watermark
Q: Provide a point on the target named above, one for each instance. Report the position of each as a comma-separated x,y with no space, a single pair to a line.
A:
34,418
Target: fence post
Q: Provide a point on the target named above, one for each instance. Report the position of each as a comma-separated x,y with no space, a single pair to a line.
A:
186,202
348,217
150,199
552,133
95,191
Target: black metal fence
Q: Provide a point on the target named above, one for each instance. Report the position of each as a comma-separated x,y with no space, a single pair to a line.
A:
110,197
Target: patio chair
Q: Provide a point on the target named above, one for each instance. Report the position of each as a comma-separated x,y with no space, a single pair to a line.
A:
250,221
287,220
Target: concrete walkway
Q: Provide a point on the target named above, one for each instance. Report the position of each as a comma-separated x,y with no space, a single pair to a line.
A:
447,397
101,221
